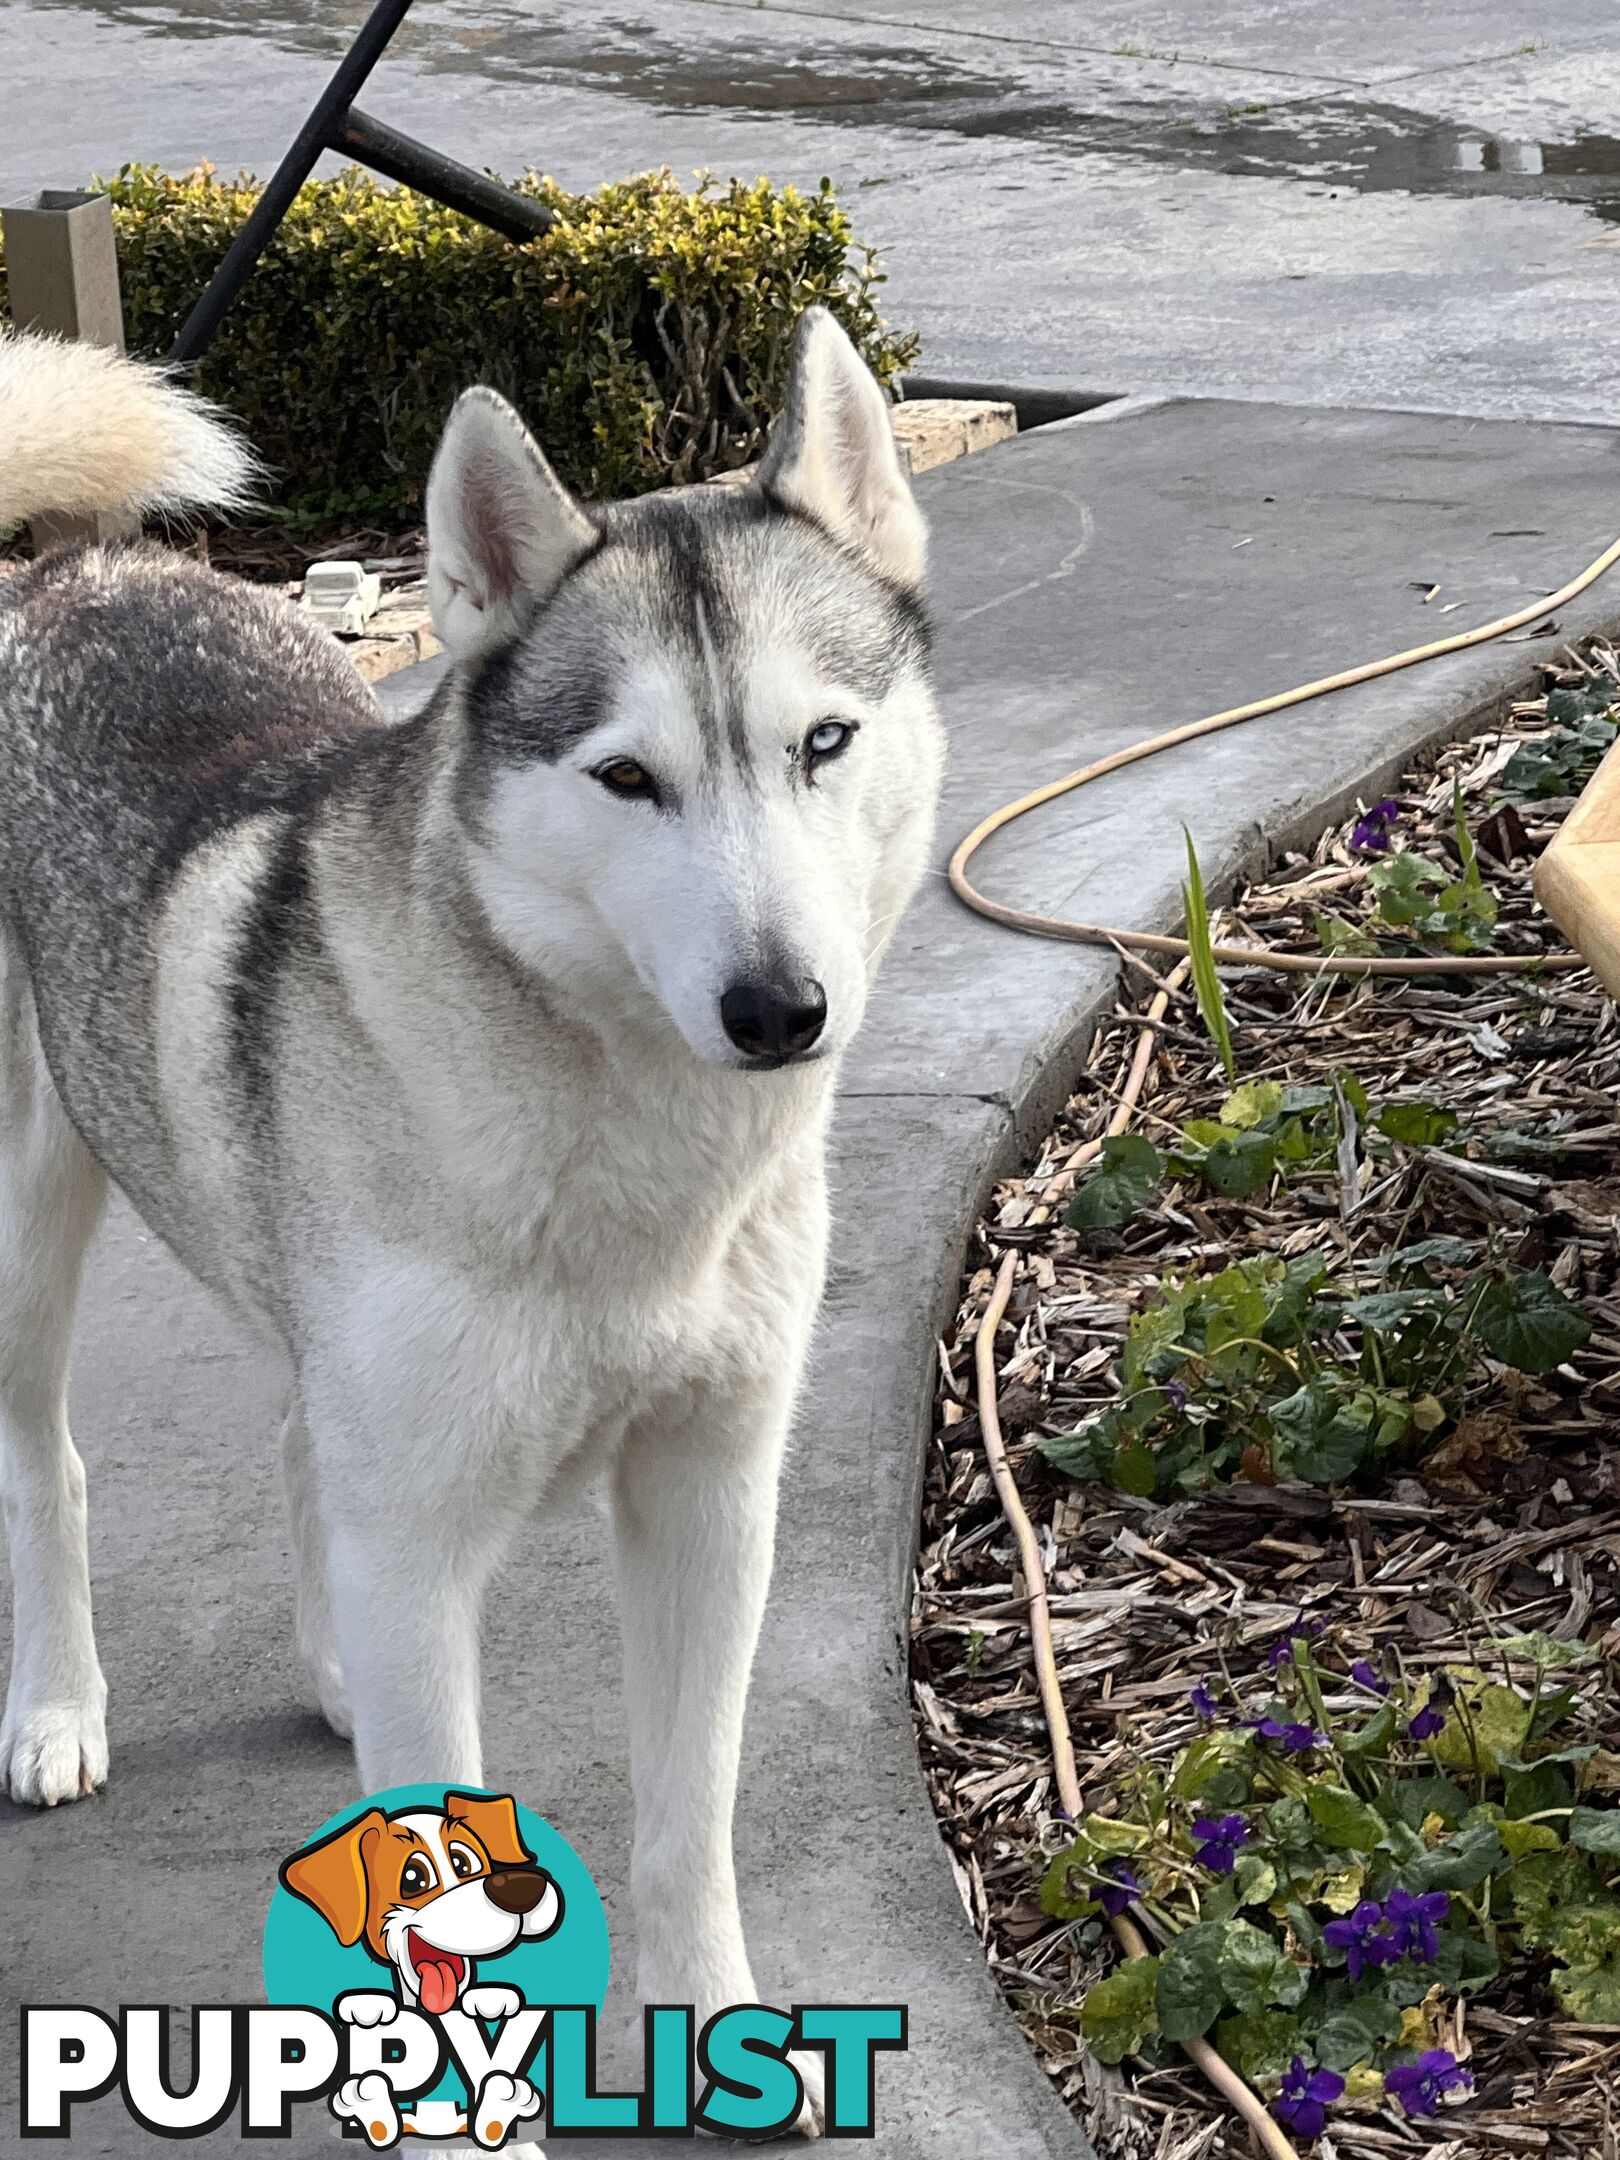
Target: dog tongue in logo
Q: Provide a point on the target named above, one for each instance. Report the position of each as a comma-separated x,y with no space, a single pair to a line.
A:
438,1975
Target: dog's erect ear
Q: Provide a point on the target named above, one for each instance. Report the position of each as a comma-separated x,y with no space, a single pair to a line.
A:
331,1876
494,1823
833,453
503,531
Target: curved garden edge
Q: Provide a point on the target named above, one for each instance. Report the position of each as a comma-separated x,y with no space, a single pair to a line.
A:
1087,592
1142,1625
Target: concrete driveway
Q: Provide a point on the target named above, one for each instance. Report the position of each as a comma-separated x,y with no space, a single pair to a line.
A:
1376,204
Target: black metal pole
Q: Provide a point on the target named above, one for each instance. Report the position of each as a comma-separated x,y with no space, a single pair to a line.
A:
402,158
312,138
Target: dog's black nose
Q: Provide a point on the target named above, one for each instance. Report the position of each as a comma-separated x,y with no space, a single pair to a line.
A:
774,1019
516,1890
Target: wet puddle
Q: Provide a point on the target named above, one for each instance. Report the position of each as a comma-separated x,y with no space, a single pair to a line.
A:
1378,149
1334,143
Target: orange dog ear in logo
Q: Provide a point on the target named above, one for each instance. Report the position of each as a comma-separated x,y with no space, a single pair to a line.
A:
495,1825
331,1876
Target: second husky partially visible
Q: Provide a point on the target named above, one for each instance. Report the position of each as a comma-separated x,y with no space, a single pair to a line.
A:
484,1059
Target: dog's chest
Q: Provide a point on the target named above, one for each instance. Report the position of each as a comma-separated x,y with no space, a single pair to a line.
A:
603,1274
650,1261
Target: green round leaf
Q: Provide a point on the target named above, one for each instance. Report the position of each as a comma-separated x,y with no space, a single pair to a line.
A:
1254,1973
1241,1165
1528,1323
1190,1991
1119,2013
1127,1175
1350,1823
1596,1830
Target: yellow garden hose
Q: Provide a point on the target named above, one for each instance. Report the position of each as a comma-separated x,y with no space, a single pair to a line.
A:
1080,933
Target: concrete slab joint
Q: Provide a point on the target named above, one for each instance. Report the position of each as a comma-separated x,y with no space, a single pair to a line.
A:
1092,585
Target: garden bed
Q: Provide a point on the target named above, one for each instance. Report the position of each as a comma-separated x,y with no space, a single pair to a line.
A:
1311,1406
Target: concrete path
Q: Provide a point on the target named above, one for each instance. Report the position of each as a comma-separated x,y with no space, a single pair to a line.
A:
1380,204
1091,589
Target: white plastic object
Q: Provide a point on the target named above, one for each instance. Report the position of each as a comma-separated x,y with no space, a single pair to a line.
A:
341,595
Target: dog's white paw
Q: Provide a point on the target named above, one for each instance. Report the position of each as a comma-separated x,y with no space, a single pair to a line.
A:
491,2002
502,2101
331,1690
812,2069
367,2006
54,1751
368,2101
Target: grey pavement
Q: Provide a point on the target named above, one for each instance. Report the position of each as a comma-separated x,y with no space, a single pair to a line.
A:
1091,589
1379,204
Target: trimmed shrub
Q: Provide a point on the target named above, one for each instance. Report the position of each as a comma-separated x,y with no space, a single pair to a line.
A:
644,338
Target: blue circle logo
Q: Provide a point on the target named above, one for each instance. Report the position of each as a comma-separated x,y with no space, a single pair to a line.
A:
434,1899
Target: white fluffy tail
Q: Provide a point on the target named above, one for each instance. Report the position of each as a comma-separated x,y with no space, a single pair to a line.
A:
84,430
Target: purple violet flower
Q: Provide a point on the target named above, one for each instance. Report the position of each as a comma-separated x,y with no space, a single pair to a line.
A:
1292,1739
1412,1921
1372,830
1303,2102
1427,1722
1364,1938
1203,1701
1218,1841
1364,1676
1176,1392
1302,1628
1421,2086
1120,1892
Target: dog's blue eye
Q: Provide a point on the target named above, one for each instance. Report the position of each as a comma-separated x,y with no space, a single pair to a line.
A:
827,739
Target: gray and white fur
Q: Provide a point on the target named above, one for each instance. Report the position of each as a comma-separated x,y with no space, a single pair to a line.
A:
483,1059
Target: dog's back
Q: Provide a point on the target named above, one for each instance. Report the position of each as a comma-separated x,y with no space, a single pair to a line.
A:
152,710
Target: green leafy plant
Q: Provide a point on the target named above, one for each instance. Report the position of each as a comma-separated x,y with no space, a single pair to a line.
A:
1421,898
1128,1173
1269,1371
1418,905
1563,760
1321,1873
645,337
1264,1131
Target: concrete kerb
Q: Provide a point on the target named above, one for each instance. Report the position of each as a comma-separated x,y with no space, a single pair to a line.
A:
1094,583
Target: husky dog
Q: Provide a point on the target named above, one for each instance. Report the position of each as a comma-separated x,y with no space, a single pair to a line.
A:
485,1059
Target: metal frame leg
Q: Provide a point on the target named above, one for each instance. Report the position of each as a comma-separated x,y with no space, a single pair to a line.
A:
333,124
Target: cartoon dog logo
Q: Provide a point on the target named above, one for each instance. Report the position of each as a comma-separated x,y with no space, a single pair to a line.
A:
431,1892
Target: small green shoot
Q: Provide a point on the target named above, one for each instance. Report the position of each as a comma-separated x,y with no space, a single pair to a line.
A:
1206,979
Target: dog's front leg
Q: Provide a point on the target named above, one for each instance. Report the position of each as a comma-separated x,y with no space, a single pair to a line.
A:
413,1533
315,1625
694,1501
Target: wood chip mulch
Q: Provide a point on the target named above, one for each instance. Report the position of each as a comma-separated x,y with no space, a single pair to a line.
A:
1513,1526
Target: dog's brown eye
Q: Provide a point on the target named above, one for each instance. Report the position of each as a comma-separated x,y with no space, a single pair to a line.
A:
623,776
464,1861
415,1877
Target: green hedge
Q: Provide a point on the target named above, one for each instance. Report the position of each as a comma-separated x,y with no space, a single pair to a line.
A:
644,337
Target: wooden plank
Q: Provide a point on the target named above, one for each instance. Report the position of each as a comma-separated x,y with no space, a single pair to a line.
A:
1578,877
